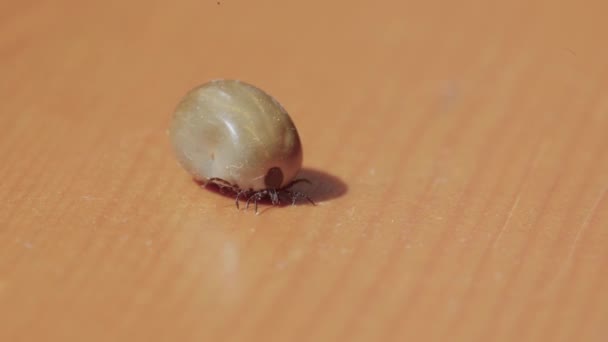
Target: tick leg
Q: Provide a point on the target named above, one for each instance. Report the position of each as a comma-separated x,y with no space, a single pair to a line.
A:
255,198
261,195
252,197
309,200
238,197
295,195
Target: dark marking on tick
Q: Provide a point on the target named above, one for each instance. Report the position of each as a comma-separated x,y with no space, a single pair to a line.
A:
273,178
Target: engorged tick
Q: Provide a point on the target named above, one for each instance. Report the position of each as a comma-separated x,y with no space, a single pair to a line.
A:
234,135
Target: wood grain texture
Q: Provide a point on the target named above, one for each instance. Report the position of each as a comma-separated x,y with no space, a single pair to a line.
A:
458,152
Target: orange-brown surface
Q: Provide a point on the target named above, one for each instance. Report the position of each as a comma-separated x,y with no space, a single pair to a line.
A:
457,149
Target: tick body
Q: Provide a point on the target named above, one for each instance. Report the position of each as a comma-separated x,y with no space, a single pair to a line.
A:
234,134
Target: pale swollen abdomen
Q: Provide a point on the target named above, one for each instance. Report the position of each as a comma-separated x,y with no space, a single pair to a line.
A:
233,131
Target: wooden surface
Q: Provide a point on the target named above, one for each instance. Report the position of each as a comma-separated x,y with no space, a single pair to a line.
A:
458,152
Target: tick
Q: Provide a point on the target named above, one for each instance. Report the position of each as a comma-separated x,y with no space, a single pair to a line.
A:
234,135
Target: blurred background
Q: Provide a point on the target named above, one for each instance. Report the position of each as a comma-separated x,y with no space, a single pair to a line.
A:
457,152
